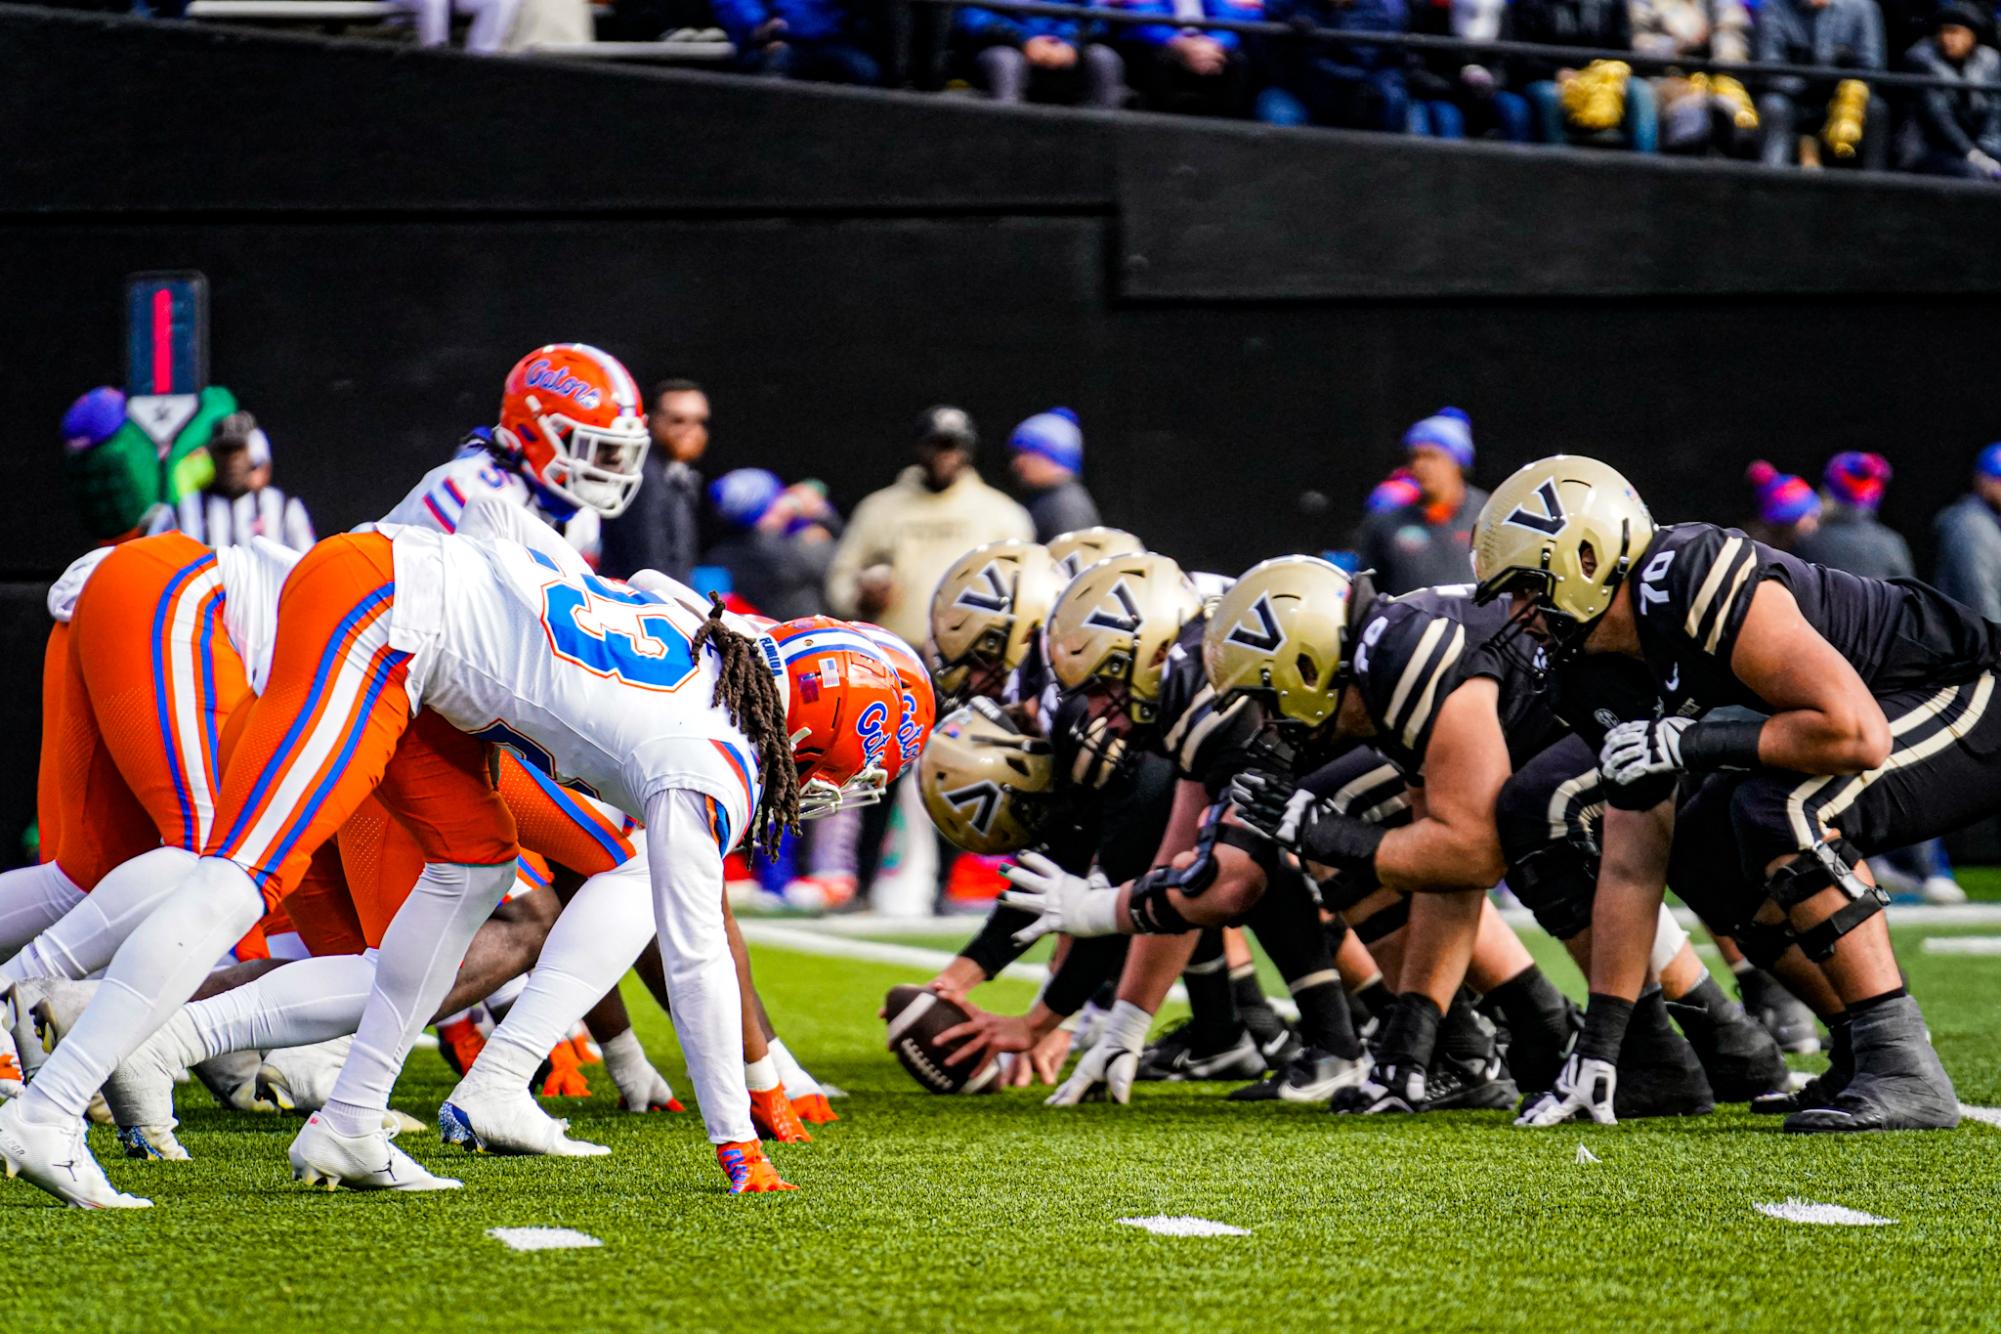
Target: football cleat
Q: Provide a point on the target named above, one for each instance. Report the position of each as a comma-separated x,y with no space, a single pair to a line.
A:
231,1079
301,1079
1659,1075
140,1093
650,1092
565,1078
1277,1043
812,1108
771,1112
1740,1058
1898,1083
11,1079
486,1118
1175,1058
321,1156
1311,1076
1469,1082
748,1170
460,1042
1778,1011
1391,1088
56,1006
155,1143
14,1012
55,1159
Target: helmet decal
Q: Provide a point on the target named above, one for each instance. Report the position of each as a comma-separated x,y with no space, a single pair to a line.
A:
1123,618
1265,636
1550,522
979,803
543,376
995,597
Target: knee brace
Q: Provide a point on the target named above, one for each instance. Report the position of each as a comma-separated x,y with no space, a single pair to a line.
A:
1558,885
1152,912
1762,944
1830,862
1389,920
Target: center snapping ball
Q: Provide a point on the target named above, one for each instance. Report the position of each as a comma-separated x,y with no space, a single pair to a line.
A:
916,1017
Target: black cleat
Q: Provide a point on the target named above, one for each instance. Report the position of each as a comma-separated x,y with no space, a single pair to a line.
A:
1277,1043
1659,1074
1740,1058
1176,1058
1390,1089
1898,1082
1778,1012
1463,1082
1311,1076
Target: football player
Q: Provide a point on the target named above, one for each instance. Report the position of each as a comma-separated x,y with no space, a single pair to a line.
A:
1869,728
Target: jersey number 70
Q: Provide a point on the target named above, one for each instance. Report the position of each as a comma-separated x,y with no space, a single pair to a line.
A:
610,629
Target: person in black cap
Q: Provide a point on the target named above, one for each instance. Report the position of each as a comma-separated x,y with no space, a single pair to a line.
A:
1955,131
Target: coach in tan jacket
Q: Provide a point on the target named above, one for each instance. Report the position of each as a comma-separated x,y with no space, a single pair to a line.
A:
902,538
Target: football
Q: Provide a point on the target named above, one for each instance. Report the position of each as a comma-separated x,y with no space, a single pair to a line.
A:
916,1017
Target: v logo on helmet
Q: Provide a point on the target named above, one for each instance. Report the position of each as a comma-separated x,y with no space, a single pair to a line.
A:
1264,636
978,803
993,598
1124,617
1550,522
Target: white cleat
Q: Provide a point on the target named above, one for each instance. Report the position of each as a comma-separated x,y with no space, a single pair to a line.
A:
1941,889
16,1003
140,1094
321,1156
56,1159
301,1079
231,1079
396,1123
58,1003
489,1119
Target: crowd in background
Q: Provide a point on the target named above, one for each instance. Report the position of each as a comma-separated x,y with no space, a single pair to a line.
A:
1837,117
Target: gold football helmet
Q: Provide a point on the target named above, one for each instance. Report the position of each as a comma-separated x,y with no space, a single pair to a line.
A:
1562,534
988,787
1080,548
985,614
1116,621
1281,632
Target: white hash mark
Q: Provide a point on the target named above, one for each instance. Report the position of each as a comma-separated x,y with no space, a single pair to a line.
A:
542,1238
1795,1210
1180,1225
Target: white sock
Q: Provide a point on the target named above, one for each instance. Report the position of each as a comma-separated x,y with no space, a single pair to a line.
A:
420,956
294,1006
798,1084
33,899
595,942
761,1075
1668,939
86,938
151,976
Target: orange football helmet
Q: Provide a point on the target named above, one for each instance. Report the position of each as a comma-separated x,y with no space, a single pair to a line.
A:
573,418
843,704
920,704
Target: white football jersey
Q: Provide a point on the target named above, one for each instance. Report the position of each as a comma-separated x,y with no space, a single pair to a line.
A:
591,679
440,498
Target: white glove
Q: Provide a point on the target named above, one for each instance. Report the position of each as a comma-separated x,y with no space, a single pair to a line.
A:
1584,1090
1075,905
1984,163
1106,1071
1090,1026
1633,751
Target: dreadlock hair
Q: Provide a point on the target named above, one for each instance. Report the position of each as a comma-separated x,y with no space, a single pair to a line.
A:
746,690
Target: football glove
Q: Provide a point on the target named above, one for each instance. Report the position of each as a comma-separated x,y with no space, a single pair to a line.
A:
1073,904
1583,1091
1106,1072
1633,751
1303,823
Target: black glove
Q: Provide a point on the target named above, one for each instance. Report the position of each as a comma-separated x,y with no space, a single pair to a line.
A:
1308,825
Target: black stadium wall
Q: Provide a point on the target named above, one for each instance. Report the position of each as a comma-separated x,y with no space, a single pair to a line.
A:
1240,315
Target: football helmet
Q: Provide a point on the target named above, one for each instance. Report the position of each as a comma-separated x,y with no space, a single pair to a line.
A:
1281,633
1082,547
986,613
842,702
1116,621
988,787
572,418
1559,537
918,709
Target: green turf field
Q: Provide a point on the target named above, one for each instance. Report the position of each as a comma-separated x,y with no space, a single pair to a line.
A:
918,1212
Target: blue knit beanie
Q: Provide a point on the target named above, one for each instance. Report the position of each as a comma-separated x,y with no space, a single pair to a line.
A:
94,418
1451,430
742,497
1054,435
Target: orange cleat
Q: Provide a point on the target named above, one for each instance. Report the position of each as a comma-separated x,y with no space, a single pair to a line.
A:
771,1112
566,1076
460,1042
749,1171
814,1109
586,1048
11,1077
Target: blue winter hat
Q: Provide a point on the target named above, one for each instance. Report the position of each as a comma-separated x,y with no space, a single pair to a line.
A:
1451,430
743,496
1989,462
1054,435
94,418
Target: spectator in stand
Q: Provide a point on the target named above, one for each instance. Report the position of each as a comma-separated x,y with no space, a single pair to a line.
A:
1356,87
901,539
820,40
661,530
1180,67
1850,536
1702,111
1954,132
1429,539
1788,506
1046,453
1027,57
1601,104
240,503
1845,38
777,541
1969,540
1454,95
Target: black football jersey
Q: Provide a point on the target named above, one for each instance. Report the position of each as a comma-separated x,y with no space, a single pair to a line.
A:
1693,589
1411,653
1208,744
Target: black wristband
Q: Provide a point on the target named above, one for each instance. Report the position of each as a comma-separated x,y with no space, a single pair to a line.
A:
1605,1024
1723,744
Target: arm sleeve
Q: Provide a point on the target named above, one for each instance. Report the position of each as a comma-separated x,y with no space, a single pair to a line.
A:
993,948
1091,961
687,869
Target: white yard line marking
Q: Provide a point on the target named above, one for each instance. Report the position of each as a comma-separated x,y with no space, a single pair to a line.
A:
1794,1210
543,1238
1987,1116
1180,1225
1961,945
